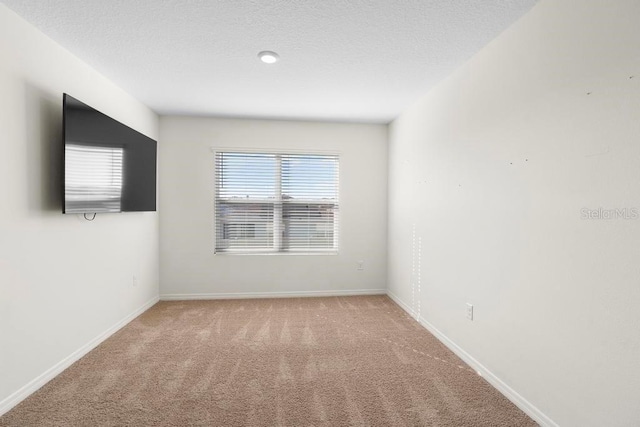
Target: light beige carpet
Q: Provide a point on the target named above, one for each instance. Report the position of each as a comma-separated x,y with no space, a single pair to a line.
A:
357,361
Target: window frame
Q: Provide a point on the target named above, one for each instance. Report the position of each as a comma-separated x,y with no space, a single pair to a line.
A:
277,203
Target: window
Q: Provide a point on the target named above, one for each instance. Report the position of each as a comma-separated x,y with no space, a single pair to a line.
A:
270,202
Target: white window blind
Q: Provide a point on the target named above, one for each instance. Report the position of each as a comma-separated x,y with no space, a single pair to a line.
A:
268,202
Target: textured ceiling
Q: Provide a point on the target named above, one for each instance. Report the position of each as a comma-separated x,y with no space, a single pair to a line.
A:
343,60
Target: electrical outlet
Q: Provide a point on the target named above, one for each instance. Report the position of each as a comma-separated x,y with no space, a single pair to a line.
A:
360,265
135,281
469,311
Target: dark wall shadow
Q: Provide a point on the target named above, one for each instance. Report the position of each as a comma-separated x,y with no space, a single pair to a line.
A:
44,168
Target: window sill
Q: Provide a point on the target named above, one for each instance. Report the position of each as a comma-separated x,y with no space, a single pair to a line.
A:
276,253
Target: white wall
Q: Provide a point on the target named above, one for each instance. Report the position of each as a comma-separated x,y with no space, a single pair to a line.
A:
492,168
188,264
63,281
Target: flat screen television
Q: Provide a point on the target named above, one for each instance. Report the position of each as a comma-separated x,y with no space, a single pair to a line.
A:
108,167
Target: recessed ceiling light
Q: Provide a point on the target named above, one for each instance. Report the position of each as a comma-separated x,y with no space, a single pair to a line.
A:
268,57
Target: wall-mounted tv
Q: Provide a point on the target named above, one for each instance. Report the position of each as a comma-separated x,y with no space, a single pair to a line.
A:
108,167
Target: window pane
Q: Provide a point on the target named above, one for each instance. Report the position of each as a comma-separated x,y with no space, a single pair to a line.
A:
244,226
247,176
309,227
309,177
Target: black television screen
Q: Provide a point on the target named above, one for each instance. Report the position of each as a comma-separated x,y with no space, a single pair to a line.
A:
108,167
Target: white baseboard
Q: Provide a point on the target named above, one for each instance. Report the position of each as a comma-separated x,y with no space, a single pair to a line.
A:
526,406
294,294
13,399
